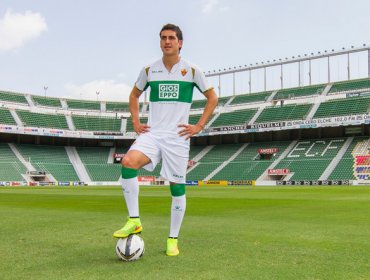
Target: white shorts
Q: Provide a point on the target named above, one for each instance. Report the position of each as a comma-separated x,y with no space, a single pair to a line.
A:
172,149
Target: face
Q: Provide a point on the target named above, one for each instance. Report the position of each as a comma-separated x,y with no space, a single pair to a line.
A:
170,44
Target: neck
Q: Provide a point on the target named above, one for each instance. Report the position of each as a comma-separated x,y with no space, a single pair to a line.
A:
170,61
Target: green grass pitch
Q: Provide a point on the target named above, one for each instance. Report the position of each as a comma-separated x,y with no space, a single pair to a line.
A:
228,233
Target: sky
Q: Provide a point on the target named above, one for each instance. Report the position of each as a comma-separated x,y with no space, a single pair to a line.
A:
76,48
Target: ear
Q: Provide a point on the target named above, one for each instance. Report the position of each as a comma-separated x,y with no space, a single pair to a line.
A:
180,43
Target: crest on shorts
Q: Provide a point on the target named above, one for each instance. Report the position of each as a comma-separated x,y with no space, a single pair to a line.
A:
183,72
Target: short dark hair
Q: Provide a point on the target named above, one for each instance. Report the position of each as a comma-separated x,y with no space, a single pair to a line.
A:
173,27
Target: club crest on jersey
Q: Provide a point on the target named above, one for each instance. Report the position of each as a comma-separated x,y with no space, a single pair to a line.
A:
169,91
184,72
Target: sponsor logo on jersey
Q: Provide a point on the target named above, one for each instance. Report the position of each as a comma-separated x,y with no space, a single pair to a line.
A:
169,91
177,176
184,72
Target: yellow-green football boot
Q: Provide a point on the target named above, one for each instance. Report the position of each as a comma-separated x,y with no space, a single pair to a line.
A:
132,226
172,248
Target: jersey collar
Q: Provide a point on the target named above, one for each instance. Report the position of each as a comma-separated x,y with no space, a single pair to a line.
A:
174,68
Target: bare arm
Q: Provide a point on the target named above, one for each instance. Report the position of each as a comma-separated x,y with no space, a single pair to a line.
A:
134,109
191,130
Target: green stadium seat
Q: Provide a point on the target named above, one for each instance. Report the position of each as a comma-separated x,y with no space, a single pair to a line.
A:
248,165
117,107
193,119
92,123
43,120
352,85
210,161
46,101
200,104
284,113
195,150
343,107
96,163
129,125
250,98
83,104
345,168
11,169
6,117
51,159
13,97
223,100
238,117
309,159
299,92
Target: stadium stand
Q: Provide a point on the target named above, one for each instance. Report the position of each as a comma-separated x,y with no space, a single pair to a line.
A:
95,160
212,160
13,97
42,120
117,106
341,107
194,151
223,100
348,86
6,117
193,119
46,101
51,159
92,123
198,104
10,166
344,169
239,117
83,104
284,113
309,158
248,165
250,98
129,125
299,92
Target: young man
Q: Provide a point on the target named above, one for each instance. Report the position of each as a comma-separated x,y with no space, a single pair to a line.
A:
166,136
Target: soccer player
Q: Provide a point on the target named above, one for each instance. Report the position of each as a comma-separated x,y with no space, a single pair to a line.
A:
166,135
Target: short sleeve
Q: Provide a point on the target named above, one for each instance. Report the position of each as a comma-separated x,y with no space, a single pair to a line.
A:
201,81
142,81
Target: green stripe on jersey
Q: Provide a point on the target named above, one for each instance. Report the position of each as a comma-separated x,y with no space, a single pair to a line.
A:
179,91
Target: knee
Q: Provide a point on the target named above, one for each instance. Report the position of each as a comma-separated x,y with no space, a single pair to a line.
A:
128,171
129,162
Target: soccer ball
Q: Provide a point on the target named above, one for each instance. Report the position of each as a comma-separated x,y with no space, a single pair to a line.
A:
130,248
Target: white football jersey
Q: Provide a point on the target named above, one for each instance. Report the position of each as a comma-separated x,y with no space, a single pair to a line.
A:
171,93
